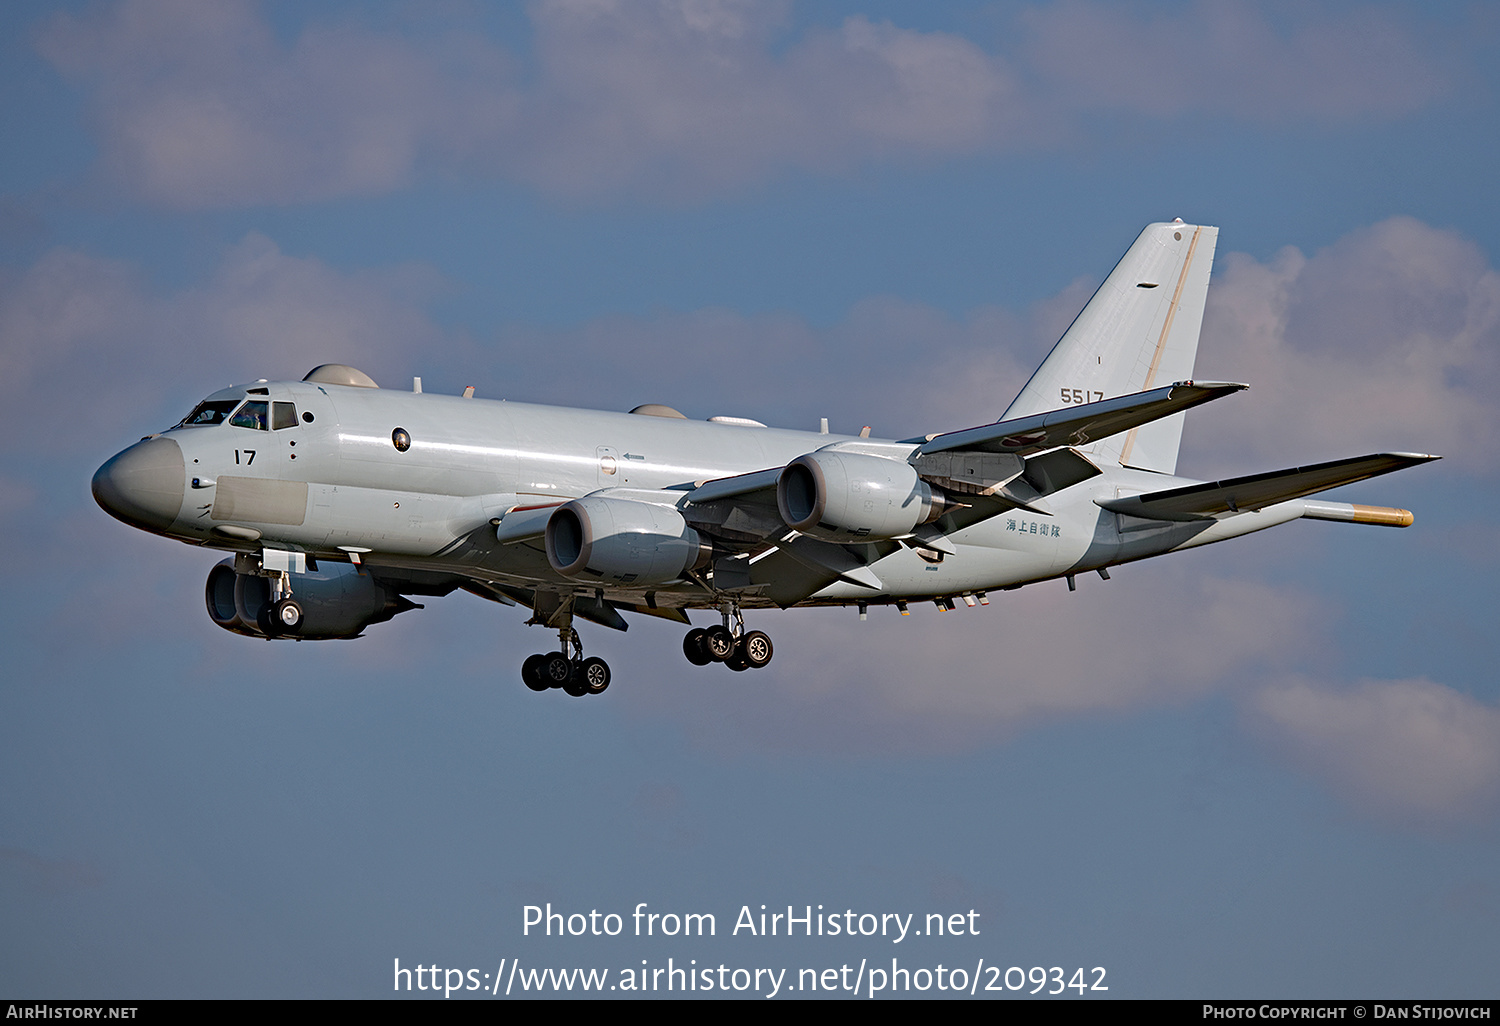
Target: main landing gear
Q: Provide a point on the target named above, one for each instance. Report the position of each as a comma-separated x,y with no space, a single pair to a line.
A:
573,673
733,646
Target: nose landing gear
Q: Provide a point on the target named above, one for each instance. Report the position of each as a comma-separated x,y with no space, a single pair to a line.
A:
282,615
566,669
728,643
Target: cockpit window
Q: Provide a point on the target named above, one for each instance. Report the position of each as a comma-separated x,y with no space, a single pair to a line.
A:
253,414
283,415
206,414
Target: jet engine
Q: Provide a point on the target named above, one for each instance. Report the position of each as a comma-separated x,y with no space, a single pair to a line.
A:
846,496
622,542
335,601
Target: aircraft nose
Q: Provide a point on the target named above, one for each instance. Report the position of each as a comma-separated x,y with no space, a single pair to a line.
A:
143,485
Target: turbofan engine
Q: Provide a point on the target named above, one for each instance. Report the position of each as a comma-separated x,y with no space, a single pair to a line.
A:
334,601
845,497
622,541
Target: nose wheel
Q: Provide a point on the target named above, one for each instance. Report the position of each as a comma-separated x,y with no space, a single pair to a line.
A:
283,615
566,669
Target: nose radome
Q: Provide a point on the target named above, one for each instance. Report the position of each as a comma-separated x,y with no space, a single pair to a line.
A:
143,485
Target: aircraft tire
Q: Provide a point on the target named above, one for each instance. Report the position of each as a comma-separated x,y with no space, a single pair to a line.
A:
594,674
737,662
531,673
693,648
576,686
557,670
287,616
756,648
718,643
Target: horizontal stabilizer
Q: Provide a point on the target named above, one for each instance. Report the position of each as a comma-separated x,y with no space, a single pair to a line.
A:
1082,424
1205,501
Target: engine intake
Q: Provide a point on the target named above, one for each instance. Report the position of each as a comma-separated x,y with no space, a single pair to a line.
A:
621,541
847,497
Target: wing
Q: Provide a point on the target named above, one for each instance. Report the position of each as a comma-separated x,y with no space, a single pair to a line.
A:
779,564
1215,498
1079,425
774,562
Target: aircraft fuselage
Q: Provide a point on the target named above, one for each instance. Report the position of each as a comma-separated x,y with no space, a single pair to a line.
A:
331,481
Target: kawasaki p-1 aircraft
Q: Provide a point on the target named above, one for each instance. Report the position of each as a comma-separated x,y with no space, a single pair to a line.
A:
339,499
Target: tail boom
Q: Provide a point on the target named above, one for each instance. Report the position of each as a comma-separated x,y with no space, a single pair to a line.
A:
1354,513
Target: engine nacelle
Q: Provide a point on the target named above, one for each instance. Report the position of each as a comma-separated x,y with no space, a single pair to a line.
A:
620,541
337,602
848,496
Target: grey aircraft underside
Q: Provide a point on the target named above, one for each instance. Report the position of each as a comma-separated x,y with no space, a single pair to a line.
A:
339,499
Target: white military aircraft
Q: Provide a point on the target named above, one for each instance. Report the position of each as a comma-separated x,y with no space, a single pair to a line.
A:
338,499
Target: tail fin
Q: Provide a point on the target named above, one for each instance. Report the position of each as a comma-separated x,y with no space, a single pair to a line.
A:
1138,332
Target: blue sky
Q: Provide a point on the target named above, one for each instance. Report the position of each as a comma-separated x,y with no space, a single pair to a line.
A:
1265,768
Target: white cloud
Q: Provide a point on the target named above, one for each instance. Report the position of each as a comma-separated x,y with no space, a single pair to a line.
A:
203,105
1387,340
901,367
1156,634
644,96
200,105
1231,58
1402,750
93,324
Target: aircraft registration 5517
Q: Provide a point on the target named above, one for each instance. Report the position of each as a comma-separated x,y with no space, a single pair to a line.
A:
339,500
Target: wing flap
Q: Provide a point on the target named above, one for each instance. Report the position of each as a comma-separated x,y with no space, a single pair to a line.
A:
1080,425
831,559
1213,498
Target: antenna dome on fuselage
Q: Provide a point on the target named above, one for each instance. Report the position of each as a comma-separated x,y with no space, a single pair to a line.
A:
340,374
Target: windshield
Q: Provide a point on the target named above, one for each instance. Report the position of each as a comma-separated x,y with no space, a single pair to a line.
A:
209,412
252,415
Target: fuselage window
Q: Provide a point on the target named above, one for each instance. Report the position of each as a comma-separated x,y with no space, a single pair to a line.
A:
283,415
207,414
253,414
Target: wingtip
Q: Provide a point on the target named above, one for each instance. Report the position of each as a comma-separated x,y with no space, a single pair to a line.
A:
1218,386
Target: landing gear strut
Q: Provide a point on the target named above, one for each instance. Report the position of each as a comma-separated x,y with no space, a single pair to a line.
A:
283,614
728,643
567,668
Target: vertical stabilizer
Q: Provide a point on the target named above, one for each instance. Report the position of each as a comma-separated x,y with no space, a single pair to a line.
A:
1139,331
